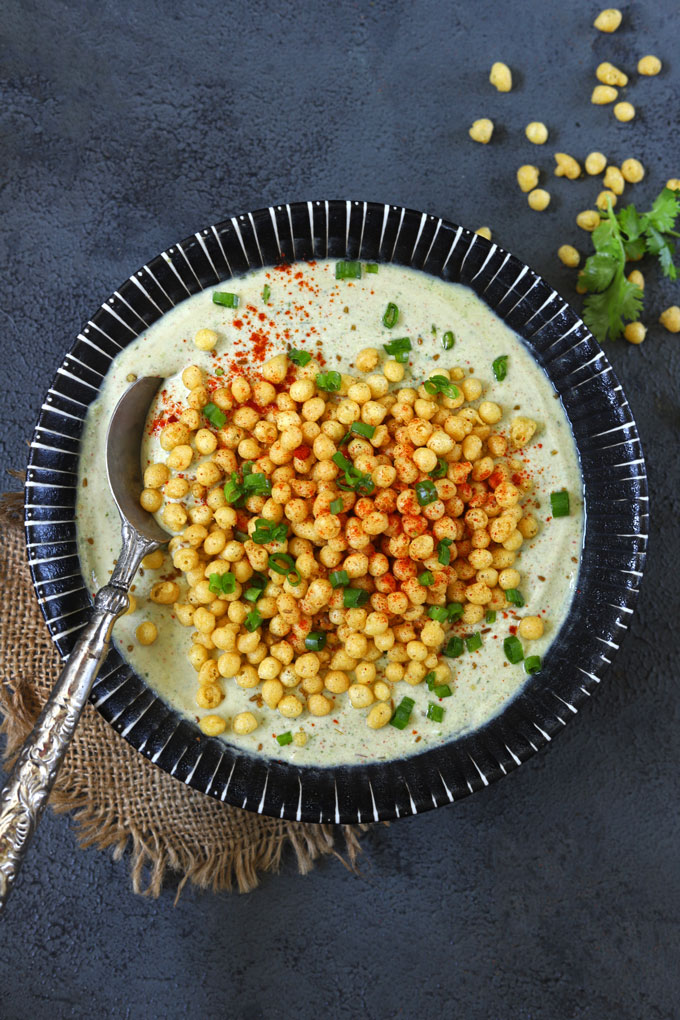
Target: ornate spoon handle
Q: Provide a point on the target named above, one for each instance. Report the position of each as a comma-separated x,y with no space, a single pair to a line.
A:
25,793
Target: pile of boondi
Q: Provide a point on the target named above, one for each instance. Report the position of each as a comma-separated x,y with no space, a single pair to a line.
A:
332,529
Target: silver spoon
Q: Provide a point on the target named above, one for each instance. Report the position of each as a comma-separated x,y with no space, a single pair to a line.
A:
24,795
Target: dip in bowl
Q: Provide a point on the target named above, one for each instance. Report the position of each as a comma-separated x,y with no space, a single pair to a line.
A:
343,288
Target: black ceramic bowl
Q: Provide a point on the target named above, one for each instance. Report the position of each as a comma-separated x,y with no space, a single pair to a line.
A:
612,463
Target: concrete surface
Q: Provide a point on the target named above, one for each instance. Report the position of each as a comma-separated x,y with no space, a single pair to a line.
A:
554,894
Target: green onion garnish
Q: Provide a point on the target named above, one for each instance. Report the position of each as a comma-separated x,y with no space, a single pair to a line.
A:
491,616
444,614
454,648
399,348
512,646
426,578
500,367
254,483
353,597
338,578
515,596
473,642
371,267
300,358
233,488
315,641
281,563
337,506
258,583
532,664
442,691
219,371
268,531
559,503
440,470
440,384
430,679
226,298
329,381
402,713
285,738
253,620
448,340
435,712
426,492
222,584
348,270
362,429
266,293
354,479
214,415
391,315
444,552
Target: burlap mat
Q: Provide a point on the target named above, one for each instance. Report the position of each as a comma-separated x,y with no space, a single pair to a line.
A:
118,799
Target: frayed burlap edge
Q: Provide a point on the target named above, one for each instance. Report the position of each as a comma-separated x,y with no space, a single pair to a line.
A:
208,844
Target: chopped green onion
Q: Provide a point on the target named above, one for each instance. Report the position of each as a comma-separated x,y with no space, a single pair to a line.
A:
430,679
253,620
338,578
445,614
285,738
266,293
371,267
329,381
315,641
512,646
426,578
348,270
293,577
300,358
214,415
281,563
337,506
500,367
559,503
391,315
353,597
444,552
354,479
454,609
435,712
233,488
491,616
401,358
442,691
515,596
222,584
448,340
256,484
440,384
399,348
426,492
219,371
402,713
473,642
360,427
440,470
532,664
454,648
268,531
226,298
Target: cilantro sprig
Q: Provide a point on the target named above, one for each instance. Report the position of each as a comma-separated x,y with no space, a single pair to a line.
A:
621,237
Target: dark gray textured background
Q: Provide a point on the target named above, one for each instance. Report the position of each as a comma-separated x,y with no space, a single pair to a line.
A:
127,126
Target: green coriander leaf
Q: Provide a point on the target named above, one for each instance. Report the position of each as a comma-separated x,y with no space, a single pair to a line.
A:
630,222
598,272
664,249
664,211
630,300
